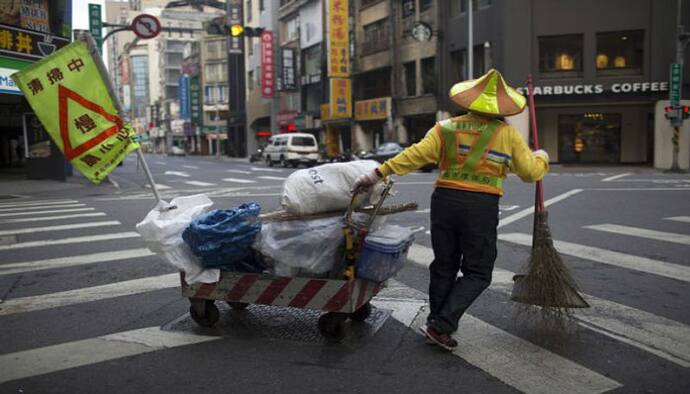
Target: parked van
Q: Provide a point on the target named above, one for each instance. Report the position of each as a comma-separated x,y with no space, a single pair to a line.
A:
291,149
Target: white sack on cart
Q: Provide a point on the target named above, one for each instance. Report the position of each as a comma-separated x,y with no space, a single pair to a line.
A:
301,246
162,230
324,188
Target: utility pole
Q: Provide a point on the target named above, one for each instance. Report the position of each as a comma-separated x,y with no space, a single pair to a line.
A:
237,135
676,91
470,44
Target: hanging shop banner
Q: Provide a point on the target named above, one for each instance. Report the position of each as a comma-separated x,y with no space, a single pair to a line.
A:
195,102
372,109
267,65
87,128
341,98
183,96
288,62
18,43
338,39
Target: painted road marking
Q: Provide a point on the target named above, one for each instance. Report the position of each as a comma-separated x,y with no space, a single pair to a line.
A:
41,207
43,360
239,172
71,261
88,294
520,363
190,167
199,183
59,217
159,186
643,330
683,219
161,162
627,261
178,173
74,240
59,228
44,212
528,211
514,361
639,189
611,178
273,178
238,180
642,233
34,202
265,169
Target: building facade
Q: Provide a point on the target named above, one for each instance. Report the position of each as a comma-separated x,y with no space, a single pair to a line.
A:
598,68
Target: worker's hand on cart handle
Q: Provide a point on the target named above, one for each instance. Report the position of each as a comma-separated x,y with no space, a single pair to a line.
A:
542,153
366,181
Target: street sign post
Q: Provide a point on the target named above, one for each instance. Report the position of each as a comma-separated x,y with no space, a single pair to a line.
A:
146,26
96,25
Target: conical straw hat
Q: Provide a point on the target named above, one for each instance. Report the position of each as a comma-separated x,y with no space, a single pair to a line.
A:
488,95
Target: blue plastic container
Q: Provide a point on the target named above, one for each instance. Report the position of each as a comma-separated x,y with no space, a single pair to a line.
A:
384,253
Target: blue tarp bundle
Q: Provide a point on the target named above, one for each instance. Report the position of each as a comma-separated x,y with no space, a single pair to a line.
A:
222,238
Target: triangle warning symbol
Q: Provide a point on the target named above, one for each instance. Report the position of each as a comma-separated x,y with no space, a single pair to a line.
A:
71,152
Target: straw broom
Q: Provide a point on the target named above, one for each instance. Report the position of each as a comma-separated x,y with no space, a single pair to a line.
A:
548,283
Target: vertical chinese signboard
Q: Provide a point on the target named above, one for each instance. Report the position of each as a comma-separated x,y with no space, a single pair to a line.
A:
338,39
195,101
676,83
96,24
267,66
183,96
341,105
289,82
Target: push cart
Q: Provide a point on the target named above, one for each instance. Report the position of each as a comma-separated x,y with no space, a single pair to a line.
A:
342,298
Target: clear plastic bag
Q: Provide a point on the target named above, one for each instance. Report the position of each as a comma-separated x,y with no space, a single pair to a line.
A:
162,230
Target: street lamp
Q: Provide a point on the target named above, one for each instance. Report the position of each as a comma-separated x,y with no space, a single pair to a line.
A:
217,118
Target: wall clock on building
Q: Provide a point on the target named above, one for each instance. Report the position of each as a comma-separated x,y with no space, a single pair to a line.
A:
421,31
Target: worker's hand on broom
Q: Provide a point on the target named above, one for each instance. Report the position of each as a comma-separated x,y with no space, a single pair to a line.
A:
542,153
365,181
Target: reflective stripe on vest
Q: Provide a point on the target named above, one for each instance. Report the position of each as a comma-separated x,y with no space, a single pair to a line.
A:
467,171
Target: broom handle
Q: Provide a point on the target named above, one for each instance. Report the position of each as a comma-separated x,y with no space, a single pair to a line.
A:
539,194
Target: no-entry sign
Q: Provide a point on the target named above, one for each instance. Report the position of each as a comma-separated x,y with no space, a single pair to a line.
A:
146,26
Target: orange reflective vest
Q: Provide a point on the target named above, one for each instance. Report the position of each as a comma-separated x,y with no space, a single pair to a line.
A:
468,159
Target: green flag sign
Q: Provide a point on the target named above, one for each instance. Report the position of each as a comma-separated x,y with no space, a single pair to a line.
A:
69,96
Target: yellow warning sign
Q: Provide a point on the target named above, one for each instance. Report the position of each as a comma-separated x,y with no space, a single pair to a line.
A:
68,94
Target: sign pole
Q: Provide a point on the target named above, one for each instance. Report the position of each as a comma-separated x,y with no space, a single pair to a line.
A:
86,37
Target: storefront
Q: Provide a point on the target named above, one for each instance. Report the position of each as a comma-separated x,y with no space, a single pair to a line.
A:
34,31
598,123
337,135
372,120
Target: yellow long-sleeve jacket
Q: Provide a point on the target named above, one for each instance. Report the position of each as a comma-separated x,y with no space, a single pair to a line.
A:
507,152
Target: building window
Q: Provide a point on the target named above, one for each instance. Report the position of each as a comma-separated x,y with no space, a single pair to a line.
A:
291,28
428,76
620,52
366,3
248,7
426,4
476,5
410,78
140,80
376,37
261,5
561,56
592,137
214,72
458,64
249,44
408,8
250,80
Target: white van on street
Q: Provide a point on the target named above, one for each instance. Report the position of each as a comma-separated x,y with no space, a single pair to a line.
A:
291,149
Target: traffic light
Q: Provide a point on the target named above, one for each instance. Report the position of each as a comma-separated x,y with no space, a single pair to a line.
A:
685,112
669,113
246,31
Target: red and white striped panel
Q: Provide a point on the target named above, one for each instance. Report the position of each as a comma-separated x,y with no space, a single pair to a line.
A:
332,295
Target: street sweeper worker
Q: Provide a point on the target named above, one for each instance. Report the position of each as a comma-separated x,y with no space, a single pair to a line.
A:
474,153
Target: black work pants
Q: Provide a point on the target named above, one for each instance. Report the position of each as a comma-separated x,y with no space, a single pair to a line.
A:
463,235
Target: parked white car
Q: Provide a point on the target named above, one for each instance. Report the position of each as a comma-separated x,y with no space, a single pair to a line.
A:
291,149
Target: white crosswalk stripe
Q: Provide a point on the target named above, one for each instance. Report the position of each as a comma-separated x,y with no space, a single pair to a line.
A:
199,183
683,219
72,261
273,178
36,202
239,172
58,217
159,186
237,180
41,207
642,233
73,240
60,228
46,212
632,262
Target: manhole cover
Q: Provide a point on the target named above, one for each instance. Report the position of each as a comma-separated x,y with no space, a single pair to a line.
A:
282,323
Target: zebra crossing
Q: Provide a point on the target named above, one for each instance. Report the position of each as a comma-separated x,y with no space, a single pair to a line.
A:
506,356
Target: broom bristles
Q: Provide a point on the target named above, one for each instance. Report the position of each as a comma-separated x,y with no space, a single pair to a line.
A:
548,282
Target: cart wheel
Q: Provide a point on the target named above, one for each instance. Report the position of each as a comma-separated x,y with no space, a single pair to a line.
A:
210,315
362,313
238,306
332,326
